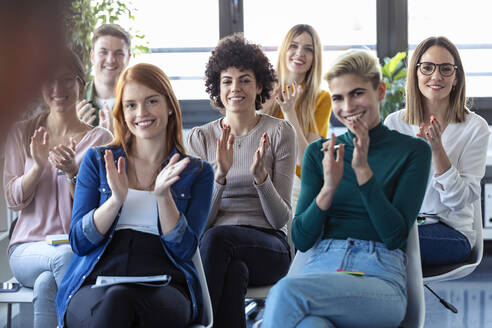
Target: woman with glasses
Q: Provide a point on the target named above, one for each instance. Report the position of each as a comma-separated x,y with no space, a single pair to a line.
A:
354,212
42,158
298,97
436,111
139,211
245,243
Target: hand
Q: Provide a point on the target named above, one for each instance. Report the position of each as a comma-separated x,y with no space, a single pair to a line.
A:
86,112
117,179
288,101
40,147
361,144
105,121
225,154
258,170
332,166
432,133
169,174
360,165
63,158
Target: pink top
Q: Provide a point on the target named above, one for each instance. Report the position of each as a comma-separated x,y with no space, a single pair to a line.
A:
49,210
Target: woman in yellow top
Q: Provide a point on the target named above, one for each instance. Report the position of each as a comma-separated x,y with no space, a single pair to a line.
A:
298,96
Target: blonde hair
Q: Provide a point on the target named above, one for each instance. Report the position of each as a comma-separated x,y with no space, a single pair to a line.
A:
359,62
305,104
414,98
154,78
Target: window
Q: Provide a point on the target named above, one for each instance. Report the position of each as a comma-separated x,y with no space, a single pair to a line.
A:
467,26
181,35
340,24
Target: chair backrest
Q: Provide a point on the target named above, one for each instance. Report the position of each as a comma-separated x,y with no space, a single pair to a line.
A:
207,303
476,255
415,315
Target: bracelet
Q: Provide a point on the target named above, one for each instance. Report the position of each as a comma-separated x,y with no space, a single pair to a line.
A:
72,180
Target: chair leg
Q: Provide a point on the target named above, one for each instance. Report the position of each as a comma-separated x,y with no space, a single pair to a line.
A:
9,315
253,308
447,305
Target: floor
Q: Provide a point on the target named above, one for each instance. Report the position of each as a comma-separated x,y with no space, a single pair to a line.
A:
472,296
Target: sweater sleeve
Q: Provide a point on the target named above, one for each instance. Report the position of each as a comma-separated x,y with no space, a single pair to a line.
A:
275,193
197,144
393,220
459,186
309,218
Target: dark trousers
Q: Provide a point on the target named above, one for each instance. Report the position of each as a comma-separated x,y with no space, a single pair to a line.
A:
128,305
441,245
235,257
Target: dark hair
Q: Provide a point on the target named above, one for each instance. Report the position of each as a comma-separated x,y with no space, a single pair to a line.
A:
111,30
72,62
235,51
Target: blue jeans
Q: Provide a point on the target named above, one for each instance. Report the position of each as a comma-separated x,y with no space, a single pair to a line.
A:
319,296
441,245
41,267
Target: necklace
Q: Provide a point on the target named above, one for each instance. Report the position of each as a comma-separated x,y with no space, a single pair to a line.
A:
136,180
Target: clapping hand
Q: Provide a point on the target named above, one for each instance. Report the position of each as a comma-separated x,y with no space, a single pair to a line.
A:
332,165
117,178
288,100
63,158
258,170
105,119
40,147
169,174
432,133
225,154
86,112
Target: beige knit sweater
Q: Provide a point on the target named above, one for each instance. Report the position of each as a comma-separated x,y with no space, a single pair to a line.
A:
240,201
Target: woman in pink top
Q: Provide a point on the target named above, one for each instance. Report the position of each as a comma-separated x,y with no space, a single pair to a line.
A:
41,165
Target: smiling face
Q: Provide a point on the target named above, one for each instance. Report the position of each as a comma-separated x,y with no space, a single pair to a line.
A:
109,56
299,56
354,97
145,111
62,91
238,89
436,87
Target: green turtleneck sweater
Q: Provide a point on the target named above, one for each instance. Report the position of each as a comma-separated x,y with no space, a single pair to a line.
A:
382,209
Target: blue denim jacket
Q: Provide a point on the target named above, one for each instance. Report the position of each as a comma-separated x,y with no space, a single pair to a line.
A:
192,194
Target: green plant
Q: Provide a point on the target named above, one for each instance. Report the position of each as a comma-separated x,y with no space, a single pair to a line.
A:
394,75
86,15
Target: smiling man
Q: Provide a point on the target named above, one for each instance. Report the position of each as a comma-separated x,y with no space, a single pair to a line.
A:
110,55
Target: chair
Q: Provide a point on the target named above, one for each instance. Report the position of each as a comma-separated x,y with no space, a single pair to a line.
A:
23,295
459,270
207,303
415,314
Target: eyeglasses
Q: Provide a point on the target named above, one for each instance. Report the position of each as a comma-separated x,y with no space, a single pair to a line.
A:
66,81
428,68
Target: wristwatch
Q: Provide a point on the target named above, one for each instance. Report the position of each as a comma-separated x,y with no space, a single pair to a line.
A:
72,180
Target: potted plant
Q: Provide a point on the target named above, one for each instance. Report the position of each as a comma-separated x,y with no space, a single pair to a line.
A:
394,75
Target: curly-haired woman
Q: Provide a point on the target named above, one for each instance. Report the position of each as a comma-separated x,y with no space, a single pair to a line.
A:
254,159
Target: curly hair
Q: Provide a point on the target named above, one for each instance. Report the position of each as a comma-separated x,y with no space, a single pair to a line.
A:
236,51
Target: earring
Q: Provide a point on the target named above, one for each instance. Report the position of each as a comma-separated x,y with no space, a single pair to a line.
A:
261,99
170,113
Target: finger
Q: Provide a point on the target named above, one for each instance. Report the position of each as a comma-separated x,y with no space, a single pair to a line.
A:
340,153
267,141
91,120
107,106
73,143
102,115
121,165
65,152
436,124
181,165
223,135
46,139
172,160
109,160
230,142
80,104
82,110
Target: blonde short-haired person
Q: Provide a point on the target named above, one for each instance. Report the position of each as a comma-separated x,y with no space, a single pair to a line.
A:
354,210
436,111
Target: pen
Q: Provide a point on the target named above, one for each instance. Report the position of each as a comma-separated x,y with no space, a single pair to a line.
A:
326,149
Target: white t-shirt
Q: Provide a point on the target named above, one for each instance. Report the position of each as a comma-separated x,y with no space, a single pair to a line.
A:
139,212
451,195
